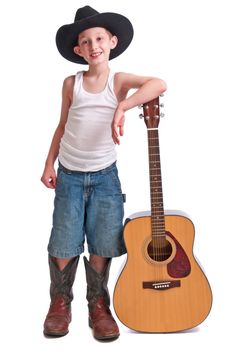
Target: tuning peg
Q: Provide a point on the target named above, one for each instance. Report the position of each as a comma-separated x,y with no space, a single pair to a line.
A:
162,95
140,106
162,115
161,105
141,116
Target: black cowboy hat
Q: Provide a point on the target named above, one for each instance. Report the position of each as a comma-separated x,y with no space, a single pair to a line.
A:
86,17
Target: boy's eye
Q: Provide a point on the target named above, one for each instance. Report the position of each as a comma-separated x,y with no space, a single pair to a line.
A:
83,42
99,38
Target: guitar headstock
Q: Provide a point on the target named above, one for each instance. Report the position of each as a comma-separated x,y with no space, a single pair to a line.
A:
151,113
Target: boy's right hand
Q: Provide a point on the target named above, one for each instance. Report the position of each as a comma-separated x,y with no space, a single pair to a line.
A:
49,177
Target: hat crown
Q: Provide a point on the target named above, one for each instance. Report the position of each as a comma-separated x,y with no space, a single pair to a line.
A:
85,12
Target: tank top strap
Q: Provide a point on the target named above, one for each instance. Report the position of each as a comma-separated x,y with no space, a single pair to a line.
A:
111,81
78,79
77,85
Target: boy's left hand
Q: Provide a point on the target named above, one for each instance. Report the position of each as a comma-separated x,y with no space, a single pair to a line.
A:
118,125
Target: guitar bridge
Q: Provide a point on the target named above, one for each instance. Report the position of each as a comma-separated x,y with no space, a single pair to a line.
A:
161,285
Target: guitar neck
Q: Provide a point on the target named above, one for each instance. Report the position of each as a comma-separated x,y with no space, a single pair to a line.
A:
151,116
156,192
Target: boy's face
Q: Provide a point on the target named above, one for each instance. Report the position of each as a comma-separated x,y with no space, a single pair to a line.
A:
94,45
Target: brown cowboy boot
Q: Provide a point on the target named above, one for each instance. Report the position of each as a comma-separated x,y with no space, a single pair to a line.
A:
100,317
59,314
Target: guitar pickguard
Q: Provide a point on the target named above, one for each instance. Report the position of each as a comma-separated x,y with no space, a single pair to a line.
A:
180,265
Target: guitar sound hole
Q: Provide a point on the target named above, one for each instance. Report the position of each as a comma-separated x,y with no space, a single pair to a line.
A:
159,249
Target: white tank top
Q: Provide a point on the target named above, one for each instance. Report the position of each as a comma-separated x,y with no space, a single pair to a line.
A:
87,143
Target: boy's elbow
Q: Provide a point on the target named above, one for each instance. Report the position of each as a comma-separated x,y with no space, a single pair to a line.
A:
163,86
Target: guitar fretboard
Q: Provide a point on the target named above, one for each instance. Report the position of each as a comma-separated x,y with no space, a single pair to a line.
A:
156,192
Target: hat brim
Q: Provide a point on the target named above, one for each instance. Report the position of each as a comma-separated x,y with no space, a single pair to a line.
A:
116,24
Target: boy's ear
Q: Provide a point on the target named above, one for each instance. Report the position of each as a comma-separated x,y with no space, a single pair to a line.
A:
77,51
114,42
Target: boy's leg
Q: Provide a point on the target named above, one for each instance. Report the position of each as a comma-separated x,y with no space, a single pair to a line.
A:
98,262
103,228
62,274
66,242
61,263
100,317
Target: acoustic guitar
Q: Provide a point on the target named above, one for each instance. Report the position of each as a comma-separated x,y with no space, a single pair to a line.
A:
161,288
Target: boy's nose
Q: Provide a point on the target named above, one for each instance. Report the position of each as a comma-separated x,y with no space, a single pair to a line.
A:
93,44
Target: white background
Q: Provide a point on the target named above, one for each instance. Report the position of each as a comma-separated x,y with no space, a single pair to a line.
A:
186,43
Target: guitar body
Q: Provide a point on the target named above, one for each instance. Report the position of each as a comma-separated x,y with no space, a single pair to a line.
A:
168,294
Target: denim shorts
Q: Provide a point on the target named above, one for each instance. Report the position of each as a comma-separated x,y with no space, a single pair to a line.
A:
87,205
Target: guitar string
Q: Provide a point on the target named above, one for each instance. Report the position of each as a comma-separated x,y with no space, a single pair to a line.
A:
159,191
159,238
154,187
155,240
160,211
155,180
156,192
151,191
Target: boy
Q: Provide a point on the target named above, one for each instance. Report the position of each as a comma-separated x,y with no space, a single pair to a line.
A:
88,199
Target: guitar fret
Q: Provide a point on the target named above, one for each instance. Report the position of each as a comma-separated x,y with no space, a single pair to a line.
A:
158,224
158,230
159,235
160,217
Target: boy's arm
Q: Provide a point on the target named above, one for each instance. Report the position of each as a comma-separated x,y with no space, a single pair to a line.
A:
49,174
148,88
